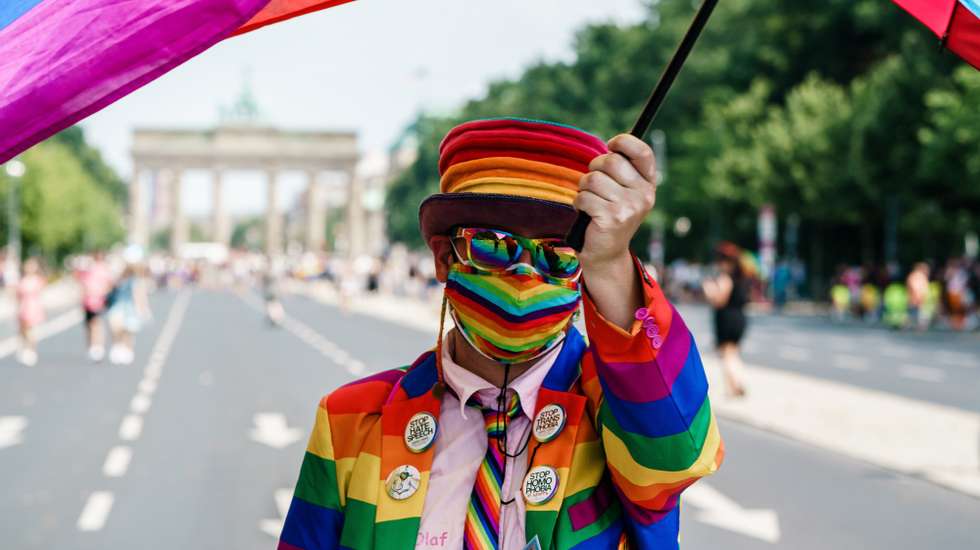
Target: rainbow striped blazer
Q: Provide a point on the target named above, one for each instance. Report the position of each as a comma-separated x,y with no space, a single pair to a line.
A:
639,430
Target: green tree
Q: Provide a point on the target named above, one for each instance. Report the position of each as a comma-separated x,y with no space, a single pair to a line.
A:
62,209
950,167
91,160
842,112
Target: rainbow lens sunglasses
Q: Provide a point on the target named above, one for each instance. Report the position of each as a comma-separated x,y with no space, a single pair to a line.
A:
495,250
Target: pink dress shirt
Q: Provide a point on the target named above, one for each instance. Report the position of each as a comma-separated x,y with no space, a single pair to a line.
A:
459,450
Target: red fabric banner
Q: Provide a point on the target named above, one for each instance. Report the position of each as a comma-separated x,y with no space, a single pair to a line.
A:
280,10
964,35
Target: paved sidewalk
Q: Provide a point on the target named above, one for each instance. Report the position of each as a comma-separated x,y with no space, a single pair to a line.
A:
929,441
933,442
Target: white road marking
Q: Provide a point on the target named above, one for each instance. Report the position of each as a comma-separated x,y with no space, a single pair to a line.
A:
721,511
11,430
60,323
273,527
851,362
271,429
131,427
356,367
925,374
140,403
153,370
117,461
958,359
96,511
792,353
315,340
148,386
99,504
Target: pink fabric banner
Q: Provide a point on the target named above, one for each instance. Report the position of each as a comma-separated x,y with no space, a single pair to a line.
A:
61,61
934,14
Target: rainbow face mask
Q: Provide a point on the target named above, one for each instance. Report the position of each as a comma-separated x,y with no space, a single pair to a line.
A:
514,316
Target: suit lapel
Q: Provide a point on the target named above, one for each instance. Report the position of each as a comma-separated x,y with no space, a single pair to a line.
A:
557,390
397,521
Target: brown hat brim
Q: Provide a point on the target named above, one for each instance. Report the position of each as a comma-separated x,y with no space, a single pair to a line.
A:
527,216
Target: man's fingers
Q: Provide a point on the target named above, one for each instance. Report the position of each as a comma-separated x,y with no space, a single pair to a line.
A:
639,154
602,185
590,203
620,169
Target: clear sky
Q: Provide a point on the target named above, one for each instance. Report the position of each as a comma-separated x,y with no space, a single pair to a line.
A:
368,66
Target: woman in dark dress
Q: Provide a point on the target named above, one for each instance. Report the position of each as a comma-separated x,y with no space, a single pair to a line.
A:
728,292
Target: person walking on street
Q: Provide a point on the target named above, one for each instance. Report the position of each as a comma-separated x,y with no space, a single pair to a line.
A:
917,284
128,308
515,431
728,293
96,282
30,310
274,311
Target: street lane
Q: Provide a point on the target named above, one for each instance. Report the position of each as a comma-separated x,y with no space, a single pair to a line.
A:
73,410
203,474
940,367
197,479
824,500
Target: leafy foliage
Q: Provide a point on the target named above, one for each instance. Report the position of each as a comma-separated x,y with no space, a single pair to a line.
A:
63,209
839,112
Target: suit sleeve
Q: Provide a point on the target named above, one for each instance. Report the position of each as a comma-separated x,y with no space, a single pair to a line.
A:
315,514
649,394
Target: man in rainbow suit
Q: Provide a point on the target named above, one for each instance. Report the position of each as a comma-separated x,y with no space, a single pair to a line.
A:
517,431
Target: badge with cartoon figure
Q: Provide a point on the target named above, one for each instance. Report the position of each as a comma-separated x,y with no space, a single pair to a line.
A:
403,481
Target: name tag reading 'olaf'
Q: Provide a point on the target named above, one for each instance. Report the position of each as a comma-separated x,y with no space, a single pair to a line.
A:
549,422
420,432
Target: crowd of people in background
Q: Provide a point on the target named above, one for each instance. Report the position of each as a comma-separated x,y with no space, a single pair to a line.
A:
114,291
924,296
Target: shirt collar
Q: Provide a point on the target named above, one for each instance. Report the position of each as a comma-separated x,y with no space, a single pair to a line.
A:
465,384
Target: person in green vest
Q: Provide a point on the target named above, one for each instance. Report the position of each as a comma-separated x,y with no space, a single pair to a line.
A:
896,301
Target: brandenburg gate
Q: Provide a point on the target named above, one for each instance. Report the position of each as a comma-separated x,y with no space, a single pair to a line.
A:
164,155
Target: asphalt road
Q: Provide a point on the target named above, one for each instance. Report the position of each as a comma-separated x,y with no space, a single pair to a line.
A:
936,366
188,447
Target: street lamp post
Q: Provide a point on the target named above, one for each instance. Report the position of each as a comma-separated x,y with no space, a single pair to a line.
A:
15,169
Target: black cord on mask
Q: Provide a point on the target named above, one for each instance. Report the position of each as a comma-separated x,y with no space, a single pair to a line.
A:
502,415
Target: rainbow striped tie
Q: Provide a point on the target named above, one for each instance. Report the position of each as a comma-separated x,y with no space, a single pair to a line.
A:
482,529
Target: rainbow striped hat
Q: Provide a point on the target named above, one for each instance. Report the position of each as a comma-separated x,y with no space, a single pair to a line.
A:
509,173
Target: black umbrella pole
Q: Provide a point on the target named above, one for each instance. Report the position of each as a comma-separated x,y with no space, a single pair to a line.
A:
576,236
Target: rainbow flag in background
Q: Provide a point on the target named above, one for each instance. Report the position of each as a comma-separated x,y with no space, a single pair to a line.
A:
280,10
955,22
62,60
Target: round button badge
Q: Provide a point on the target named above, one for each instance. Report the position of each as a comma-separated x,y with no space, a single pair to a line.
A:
549,422
403,481
420,432
540,484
